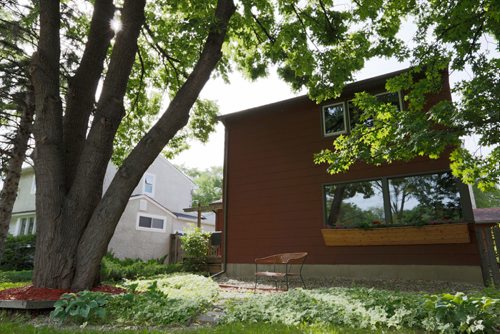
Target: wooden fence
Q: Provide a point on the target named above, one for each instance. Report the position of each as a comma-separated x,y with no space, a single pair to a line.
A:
488,238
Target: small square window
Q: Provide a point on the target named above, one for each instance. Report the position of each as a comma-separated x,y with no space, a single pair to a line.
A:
157,223
355,112
334,120
145,222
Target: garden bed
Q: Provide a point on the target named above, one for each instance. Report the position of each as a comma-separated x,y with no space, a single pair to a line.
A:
30,298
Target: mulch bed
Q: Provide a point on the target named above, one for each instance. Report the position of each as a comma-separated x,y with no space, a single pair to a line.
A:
31,293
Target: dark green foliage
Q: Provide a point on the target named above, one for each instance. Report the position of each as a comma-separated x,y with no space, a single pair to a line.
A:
113,269
19,253
80,307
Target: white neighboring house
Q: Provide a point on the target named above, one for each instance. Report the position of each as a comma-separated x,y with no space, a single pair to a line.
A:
153,213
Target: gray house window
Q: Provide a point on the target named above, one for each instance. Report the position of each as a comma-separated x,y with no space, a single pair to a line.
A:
26,226
153,223
149,184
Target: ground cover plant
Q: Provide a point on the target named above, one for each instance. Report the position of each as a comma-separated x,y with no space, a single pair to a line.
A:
371,309
172,303
172,299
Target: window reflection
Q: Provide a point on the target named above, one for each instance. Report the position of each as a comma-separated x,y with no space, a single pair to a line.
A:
424,199
334,119
354,204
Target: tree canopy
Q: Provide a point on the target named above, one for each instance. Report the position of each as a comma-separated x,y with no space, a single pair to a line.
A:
459,35
209,182
171,48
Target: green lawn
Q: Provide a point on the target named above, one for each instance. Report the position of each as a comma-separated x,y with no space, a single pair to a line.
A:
19,328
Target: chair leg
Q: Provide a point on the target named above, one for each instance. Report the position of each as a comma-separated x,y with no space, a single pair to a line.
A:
303,283
255,283
286,279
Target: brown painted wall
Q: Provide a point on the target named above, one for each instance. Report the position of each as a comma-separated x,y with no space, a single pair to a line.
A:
274,190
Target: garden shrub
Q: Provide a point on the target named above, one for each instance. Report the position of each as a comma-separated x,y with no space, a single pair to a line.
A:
196,246
173,299
19,253
114,269
81,307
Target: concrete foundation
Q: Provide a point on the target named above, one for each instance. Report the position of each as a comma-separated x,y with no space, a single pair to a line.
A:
468,274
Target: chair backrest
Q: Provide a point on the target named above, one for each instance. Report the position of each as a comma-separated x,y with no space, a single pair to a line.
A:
293,258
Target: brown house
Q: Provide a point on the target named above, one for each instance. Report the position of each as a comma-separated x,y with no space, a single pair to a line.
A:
277,200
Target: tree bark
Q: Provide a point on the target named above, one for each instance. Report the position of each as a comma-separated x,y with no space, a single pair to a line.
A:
96,237
8,194
85,191
48,153
80,99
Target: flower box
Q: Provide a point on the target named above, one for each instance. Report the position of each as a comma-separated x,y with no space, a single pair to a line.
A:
404,235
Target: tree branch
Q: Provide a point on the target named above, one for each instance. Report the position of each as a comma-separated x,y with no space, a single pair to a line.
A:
82,87
175,117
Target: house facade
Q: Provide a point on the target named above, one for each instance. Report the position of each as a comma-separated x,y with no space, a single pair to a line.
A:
276,197
154,211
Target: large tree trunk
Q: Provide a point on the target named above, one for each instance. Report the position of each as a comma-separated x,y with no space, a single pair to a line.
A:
96,237
14,166
74,223
79,187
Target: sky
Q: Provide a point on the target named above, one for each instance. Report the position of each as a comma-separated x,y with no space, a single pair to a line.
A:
243,94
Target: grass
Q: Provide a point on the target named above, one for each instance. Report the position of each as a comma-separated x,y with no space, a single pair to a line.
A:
254,328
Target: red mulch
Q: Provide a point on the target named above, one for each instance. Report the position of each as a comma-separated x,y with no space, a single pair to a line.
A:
31,293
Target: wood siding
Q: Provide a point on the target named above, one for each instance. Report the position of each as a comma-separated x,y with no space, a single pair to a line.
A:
274,193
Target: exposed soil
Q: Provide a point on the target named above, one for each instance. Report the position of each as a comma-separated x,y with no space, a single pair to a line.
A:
31,293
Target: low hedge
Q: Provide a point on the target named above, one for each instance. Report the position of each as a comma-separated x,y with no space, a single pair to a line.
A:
19,253
114,269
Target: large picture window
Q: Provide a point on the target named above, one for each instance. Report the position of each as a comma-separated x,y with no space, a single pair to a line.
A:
354,204
334,119
396,201
424,199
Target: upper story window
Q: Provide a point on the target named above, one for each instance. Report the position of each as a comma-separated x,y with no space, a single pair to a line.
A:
149,184
396,201
336,120
26,225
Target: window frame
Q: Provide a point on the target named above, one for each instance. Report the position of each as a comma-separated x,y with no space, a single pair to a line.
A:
151,229
20,230
347,102
152,194
386,193
323,120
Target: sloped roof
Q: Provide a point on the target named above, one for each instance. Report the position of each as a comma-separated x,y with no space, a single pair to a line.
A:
487,215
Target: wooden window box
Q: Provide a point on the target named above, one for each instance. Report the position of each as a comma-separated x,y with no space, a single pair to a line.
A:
405,235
